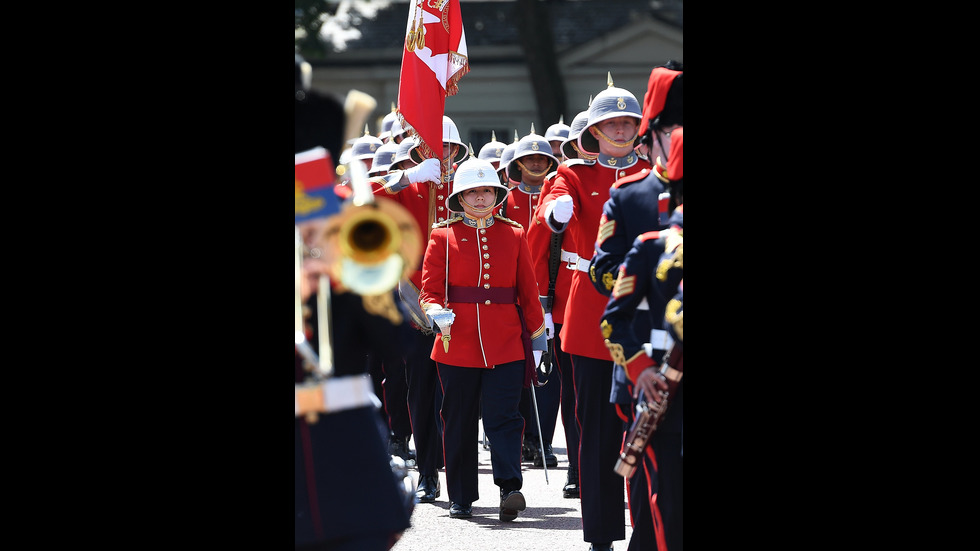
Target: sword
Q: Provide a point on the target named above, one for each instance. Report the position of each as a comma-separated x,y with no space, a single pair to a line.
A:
544,460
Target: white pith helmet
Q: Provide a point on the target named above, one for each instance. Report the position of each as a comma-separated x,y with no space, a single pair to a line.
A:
473,173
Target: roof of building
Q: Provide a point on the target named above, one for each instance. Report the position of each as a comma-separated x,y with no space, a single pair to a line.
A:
574,22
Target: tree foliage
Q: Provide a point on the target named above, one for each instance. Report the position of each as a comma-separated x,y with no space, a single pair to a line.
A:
534,30
310,16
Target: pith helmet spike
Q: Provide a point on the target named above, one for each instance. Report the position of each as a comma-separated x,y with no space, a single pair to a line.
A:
366,131
471,149
532,128
393,108
609,81
493,135
590,100
561,119
516,137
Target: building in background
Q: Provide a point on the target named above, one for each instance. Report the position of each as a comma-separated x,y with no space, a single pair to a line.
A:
592,38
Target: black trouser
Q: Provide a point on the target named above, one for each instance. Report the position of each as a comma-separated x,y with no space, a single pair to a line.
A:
424,402
497,391
563,362
393,383
601,430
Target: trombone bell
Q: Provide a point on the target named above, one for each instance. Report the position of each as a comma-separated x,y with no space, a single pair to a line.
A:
375,245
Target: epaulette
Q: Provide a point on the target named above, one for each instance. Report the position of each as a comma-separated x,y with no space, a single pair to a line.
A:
579,161
447,221
508,221
627,180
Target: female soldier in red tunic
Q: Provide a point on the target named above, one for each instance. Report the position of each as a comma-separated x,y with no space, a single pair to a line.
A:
478,287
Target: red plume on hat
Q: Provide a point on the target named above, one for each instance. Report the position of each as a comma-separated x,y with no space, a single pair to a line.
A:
661,79
675,164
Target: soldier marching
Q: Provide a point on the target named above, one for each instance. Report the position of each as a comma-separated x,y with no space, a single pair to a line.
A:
529,253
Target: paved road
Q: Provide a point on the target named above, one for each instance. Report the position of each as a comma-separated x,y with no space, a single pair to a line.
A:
550,522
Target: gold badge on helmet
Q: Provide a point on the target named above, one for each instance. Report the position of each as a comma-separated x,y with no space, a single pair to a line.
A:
621,103
534,146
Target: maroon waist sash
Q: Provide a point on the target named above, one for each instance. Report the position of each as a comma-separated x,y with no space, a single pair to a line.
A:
501,295
479,295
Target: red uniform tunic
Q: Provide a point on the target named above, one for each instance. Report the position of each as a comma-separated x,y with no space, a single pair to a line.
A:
522,200
539,241
588,185
492,257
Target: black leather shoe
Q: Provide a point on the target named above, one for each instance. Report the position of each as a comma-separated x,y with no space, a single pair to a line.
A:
399,447
549,456
571,484
601,547
510,504
530,452
428,489
458,510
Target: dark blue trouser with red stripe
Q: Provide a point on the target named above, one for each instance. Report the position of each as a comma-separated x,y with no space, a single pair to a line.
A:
601,431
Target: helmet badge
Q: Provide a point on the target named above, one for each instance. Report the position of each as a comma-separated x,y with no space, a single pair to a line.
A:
534,146
621,103
479,173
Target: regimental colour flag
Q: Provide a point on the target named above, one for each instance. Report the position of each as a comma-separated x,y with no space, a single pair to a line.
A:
433,60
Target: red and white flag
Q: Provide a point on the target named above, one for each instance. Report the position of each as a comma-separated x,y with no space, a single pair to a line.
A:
433,60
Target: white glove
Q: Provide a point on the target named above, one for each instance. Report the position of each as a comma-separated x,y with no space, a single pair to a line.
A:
431,313
537,357
428,170
441,318
563,209
549,326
